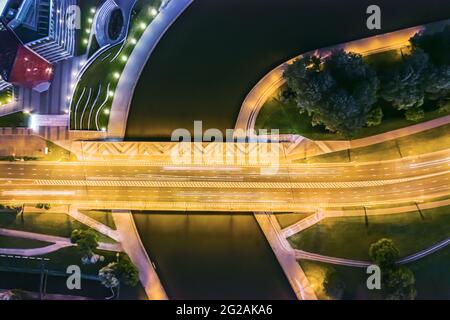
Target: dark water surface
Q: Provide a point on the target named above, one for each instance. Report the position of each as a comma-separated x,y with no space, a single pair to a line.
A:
212,256
218,50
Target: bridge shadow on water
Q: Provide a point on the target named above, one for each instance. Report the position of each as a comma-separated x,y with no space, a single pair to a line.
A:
212,256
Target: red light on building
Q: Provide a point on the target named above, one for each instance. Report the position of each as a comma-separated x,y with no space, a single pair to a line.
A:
30,70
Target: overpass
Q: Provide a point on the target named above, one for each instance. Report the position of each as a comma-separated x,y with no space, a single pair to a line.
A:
118,182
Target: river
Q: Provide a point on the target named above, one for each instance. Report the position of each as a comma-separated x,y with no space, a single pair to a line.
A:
212,256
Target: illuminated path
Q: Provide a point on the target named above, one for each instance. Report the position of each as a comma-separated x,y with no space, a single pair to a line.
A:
269,85
136,63
300,254
55,243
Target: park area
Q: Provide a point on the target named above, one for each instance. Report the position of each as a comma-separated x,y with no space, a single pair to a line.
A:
351,237
430,273
347,96
45,222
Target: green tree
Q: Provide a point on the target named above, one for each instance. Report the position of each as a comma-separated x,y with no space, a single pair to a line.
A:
436,44
122,270
333,284
375,117
127,271
404,84
384,253
400,284
86,241
414,114
444,106
338,92
108,277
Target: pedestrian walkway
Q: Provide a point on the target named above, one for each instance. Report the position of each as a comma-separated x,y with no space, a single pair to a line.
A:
286,256
56,243
273,81
300,254
323,214
92,223
133,246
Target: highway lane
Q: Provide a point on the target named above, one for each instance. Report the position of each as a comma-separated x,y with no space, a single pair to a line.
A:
242,187
408,167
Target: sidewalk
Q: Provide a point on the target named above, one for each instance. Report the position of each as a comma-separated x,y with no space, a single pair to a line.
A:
273,81
92,223
133,246
286,257
55,243
323,214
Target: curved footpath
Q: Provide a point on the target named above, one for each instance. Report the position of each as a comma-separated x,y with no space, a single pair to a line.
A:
300,254
56,243
320,215
268,86
133,246
136,63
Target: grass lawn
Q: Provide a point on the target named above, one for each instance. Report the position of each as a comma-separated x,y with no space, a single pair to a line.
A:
18,243
285,117
350,237
60,260
15,120
93,96
51,223
287,219
102,216
420,143
431,273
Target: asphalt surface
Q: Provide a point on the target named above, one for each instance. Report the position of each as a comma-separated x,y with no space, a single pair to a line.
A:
410,179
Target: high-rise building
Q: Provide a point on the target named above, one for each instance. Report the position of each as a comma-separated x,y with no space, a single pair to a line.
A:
41,26
20,65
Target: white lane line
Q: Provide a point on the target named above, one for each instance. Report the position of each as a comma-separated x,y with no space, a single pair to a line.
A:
93,106
101,106
77,105
84,108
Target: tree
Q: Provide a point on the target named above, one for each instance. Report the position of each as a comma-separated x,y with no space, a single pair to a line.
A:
86,240
108,277
436,44
397,281
444,106
400,284
121,271
384,253
127,271
46,206
287,95
414,114
338,91
375,117
333,284
404,85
